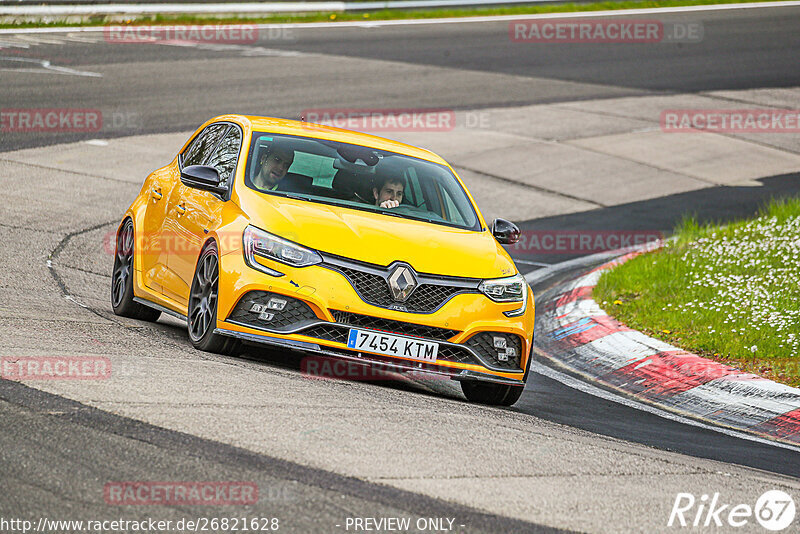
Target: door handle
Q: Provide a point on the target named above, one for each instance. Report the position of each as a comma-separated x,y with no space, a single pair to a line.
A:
156,193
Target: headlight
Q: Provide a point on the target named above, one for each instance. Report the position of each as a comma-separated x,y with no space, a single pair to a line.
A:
260,243
511,289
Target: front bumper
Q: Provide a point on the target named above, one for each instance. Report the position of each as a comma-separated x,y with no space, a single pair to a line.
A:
329,306
386,363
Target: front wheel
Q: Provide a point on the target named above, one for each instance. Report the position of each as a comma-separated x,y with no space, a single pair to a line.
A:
122,279
202,317
490,393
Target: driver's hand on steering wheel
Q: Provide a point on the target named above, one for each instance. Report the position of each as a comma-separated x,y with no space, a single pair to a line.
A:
390,204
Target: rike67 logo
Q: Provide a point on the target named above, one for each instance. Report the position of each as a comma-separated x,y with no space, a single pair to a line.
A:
774,510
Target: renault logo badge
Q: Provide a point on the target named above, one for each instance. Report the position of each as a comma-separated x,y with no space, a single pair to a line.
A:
402,282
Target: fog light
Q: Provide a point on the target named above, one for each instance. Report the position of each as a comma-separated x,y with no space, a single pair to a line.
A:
266,316
502,356
499,342
511,351
276,304
258,308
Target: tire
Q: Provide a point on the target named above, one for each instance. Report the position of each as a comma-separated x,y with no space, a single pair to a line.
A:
122,279
202,309
492,394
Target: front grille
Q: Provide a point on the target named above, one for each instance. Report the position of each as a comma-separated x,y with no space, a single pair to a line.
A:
370,282
295,315
398,327
429,297
456,354
483,344
371,287
327,331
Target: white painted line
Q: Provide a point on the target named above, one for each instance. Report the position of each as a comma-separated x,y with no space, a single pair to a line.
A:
528,262
248,7
13,44
589,280
406,4
632,343
542,274
749,402
134,9
588,388
613,352
578,309
90,40
48,67
40,40
465,20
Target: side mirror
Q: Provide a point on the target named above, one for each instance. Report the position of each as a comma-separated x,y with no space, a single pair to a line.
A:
202,177
506,232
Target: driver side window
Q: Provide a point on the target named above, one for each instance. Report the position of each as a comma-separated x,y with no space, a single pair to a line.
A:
226,155
201,147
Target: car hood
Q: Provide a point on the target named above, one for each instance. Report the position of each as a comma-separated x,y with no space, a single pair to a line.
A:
381,239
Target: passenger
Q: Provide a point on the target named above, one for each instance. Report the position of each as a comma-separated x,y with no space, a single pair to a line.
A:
275,163
388,191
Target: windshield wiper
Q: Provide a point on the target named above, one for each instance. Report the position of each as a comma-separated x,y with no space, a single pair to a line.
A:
296,197
389,212
407,216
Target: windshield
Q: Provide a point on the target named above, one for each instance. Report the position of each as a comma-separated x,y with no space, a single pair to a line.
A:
358,177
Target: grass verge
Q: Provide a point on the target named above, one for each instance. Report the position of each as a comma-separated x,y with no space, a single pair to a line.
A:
730,293
385,14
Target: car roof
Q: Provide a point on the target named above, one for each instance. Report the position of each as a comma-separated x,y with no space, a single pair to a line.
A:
312,130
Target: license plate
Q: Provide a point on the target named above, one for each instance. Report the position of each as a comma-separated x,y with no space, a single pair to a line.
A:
392,345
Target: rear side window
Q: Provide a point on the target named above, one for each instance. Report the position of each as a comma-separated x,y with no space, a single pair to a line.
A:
226,155
204,144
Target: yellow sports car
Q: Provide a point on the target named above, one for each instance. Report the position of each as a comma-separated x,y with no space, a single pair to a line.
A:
332,242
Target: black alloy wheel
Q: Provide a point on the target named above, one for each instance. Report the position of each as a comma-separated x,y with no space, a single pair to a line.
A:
122,279
202,316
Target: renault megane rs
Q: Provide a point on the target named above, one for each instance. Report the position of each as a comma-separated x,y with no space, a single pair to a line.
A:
330,242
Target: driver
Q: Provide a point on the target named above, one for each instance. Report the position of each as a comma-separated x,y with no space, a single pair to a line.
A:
388,191
275,163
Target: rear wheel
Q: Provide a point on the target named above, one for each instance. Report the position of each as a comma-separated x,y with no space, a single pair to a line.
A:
202,317
490,393
122,279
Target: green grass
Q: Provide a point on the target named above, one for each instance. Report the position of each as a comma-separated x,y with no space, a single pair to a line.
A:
385,14
730,293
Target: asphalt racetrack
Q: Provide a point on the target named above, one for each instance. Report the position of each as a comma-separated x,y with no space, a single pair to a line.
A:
554,136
